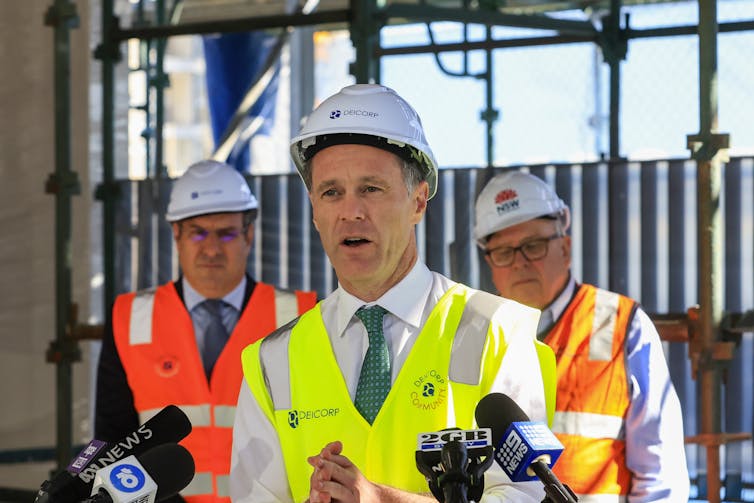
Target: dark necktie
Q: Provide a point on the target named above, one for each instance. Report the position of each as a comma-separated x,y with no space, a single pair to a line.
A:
215,335
374,380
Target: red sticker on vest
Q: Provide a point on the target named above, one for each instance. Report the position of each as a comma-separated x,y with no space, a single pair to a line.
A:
167,366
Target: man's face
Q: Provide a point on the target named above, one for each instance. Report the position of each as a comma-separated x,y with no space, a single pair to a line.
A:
365,216
212,251
534,283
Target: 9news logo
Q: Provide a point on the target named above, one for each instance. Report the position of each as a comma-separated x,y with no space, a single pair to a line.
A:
127,478
512,452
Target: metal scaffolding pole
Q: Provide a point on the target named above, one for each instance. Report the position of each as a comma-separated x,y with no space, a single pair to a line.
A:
709,149
63,184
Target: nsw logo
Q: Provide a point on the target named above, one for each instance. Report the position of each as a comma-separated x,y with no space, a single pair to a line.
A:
127,478
505,195
506,200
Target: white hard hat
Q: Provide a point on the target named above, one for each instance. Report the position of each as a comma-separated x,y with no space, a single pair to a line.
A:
209,187
514,197
366,114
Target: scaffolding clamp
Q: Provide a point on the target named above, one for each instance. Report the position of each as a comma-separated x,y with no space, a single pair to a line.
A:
706,147
676,327
65,182
62,14
67,348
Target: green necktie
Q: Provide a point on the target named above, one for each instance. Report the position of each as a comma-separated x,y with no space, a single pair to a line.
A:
374,380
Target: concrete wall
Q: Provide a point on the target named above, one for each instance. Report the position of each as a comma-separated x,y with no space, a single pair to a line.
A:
27,239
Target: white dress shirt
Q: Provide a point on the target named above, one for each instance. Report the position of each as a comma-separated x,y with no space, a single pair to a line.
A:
192,298
257,469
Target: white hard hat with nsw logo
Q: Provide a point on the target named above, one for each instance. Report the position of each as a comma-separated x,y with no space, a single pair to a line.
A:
514,197
366,114
209,187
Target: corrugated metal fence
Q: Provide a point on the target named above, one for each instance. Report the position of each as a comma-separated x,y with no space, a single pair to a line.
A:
634,232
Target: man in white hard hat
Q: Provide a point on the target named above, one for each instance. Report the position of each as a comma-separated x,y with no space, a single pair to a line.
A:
617,413
181,342
333,404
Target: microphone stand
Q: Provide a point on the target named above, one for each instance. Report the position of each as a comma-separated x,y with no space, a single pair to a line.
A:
556,491
459,474
454,481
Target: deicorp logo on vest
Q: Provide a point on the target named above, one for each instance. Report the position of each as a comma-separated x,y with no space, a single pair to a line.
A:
431,391
295,417
506,200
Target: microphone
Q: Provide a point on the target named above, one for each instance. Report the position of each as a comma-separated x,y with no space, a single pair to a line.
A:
453,462
158,474
74,484
526,449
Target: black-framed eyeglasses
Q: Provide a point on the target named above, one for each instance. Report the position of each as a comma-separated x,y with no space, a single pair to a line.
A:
534,249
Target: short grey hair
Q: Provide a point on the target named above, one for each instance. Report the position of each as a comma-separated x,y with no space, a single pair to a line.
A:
413,173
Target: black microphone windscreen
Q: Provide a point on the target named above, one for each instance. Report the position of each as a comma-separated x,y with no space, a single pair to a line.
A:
171,466
497,411
170,424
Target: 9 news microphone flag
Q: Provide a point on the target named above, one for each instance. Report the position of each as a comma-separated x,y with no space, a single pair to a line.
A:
524,449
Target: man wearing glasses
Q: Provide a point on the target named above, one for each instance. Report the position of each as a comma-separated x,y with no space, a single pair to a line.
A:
180,343
616,412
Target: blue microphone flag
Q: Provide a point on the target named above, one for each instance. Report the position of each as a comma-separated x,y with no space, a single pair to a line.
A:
523,443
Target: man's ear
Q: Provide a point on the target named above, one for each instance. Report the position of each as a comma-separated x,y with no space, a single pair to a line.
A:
311,203
566,248
176,230
421,198
249,233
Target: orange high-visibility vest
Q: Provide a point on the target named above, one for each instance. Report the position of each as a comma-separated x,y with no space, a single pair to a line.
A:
155,339
589,343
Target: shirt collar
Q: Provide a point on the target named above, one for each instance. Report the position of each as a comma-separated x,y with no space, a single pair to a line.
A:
558,305
192,298
404,300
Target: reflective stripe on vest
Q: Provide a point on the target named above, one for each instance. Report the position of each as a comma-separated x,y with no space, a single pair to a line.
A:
225,415
200,484
199,415
223,485
602,498
585,424
140,330
471,335
286,307
603,326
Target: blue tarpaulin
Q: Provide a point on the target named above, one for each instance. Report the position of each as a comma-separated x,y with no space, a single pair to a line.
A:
234,62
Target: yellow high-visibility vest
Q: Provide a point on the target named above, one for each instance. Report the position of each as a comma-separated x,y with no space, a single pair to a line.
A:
451,366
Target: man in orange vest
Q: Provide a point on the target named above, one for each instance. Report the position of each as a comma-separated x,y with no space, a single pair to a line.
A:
180,343
616,412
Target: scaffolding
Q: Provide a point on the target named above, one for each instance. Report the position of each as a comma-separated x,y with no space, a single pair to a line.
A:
704,326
